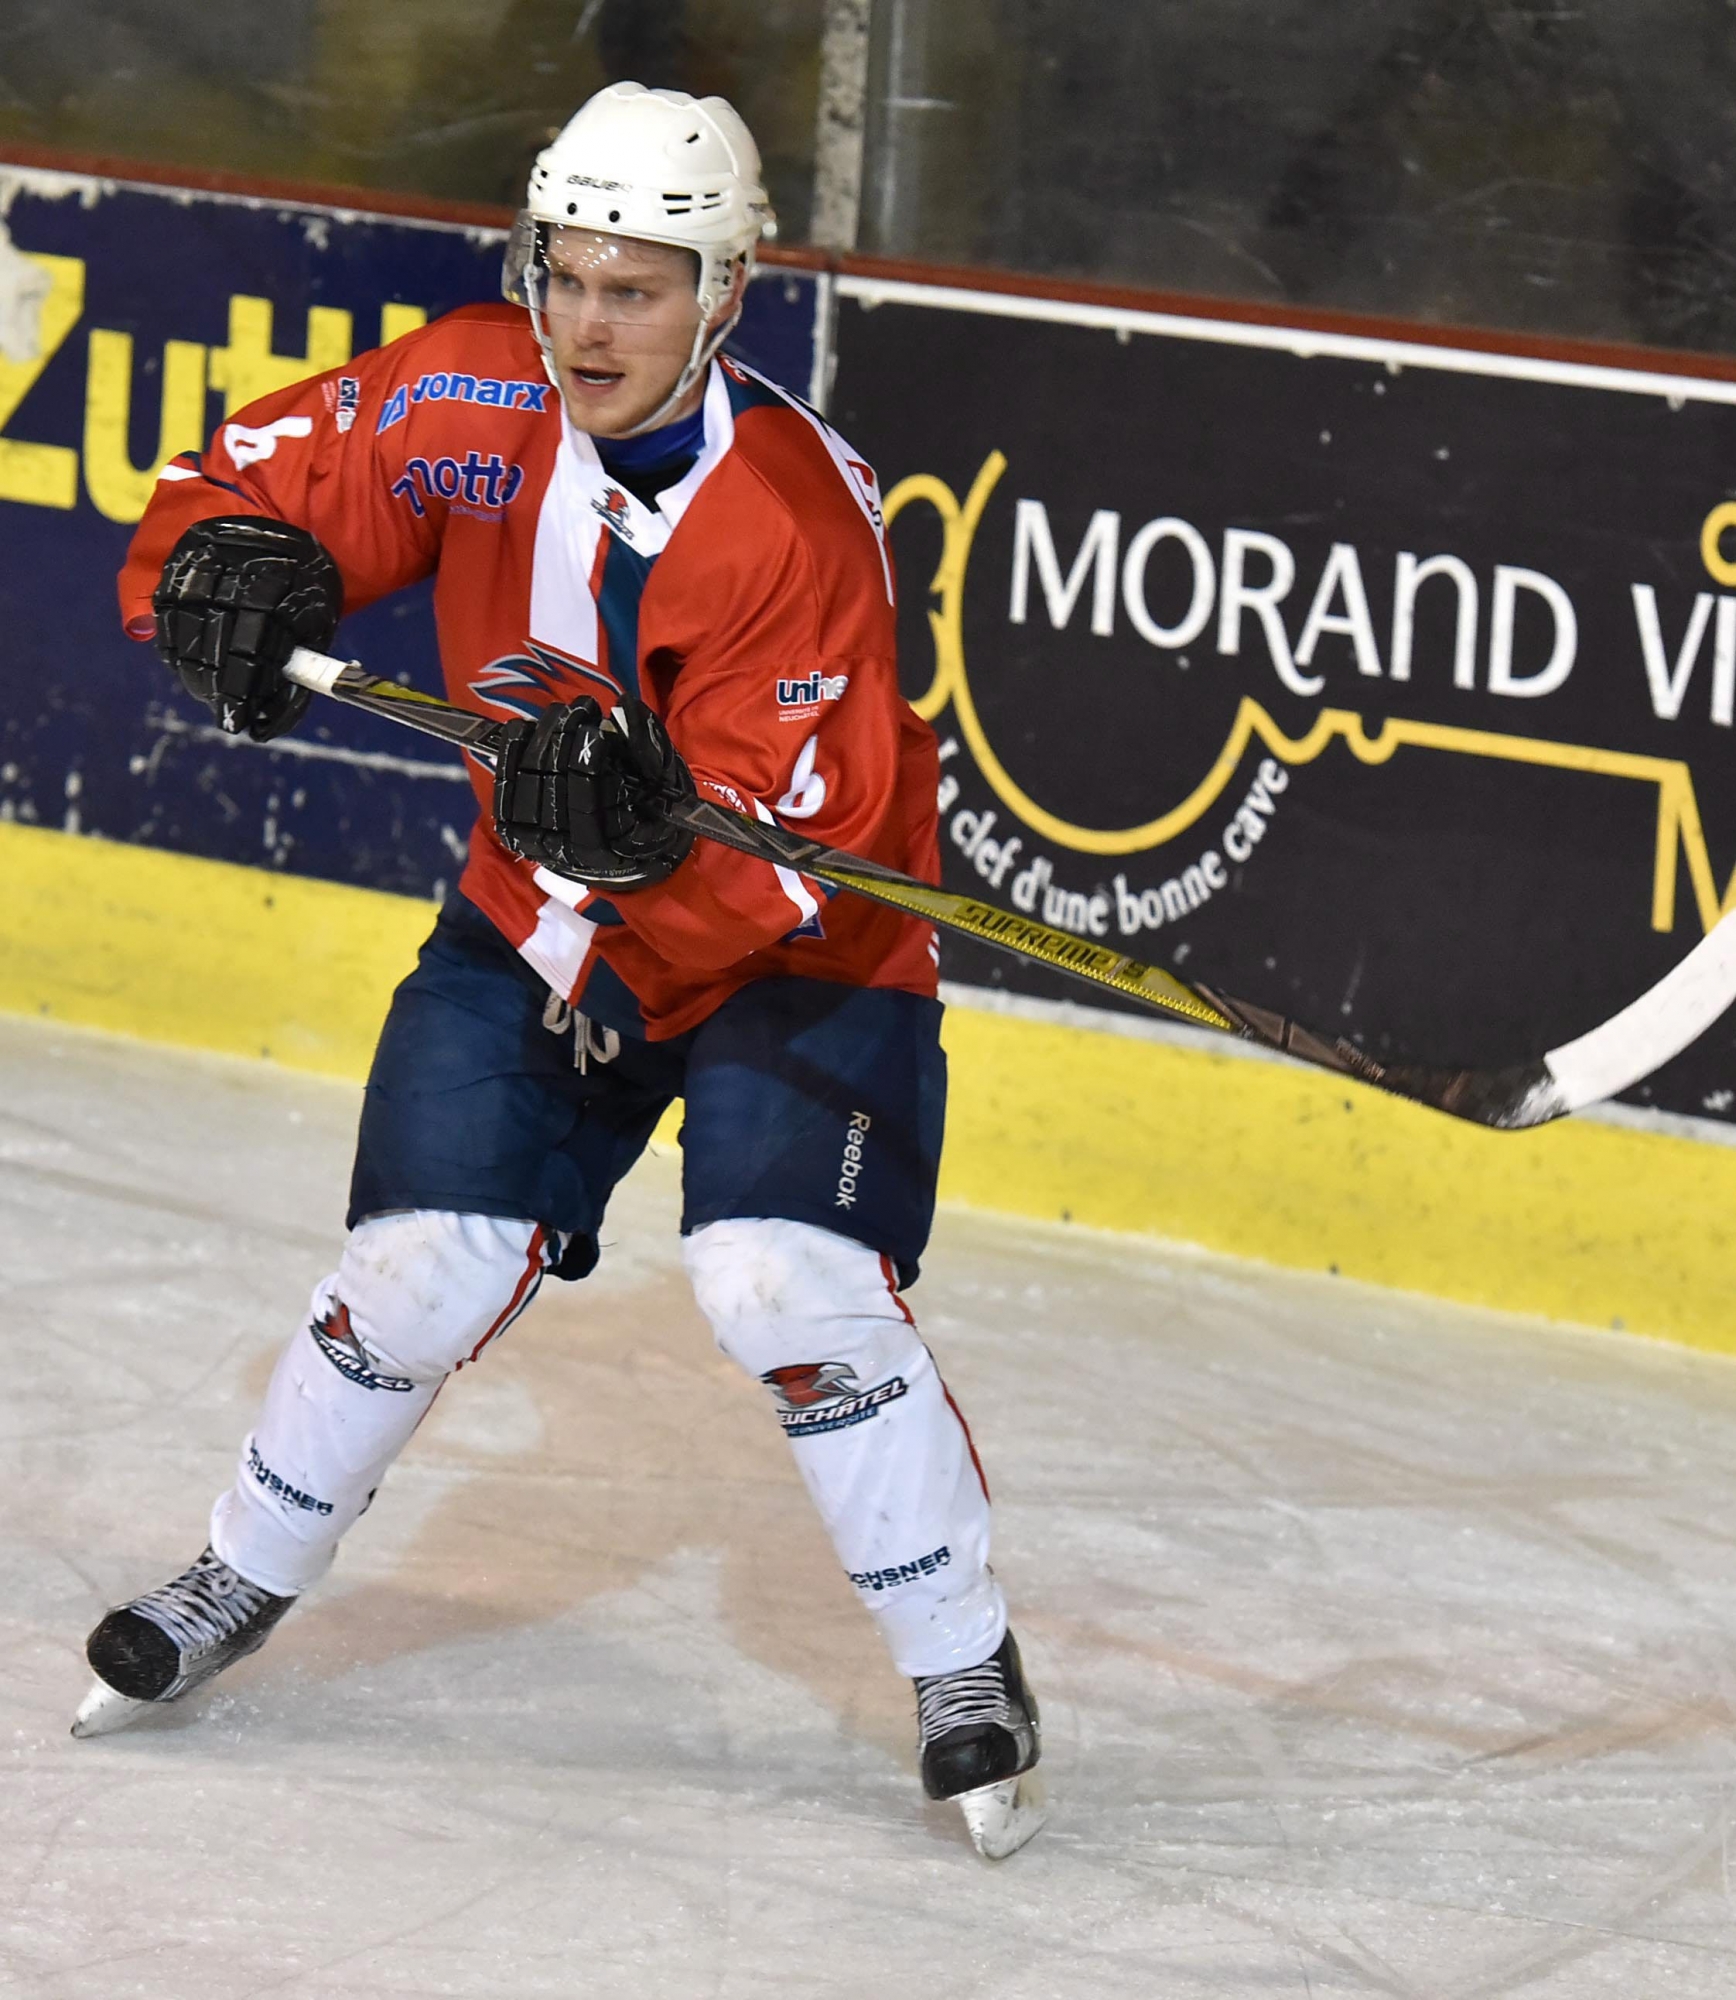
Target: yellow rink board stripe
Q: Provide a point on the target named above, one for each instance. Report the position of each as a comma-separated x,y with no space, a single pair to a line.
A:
1576,1221
1580,1221
202,953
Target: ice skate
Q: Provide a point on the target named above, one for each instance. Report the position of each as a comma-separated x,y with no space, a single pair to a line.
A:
979,1739
170,1640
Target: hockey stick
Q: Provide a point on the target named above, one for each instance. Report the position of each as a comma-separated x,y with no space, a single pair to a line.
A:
1625,1049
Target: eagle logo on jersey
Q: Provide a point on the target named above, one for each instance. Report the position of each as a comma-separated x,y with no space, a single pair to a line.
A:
815,1397
870,491
810,1382
348,1353
611,503
526,683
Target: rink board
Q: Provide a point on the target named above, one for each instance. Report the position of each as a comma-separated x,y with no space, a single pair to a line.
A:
1381,674
1581,1221
1476,856
149,315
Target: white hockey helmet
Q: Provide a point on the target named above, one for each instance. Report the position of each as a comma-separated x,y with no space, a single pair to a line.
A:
658,165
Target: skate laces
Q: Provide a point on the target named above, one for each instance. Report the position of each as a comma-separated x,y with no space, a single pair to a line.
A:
955,1700
204,1605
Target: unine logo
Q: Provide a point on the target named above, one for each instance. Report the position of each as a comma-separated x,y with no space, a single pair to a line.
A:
811,690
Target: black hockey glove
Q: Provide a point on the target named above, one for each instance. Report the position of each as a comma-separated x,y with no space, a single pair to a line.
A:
586,795
238,595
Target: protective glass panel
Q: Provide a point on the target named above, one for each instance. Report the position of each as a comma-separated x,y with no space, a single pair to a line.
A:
446,98
1564,168
1559,168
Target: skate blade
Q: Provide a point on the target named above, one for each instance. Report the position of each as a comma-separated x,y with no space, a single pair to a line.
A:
1002,1817
104,1710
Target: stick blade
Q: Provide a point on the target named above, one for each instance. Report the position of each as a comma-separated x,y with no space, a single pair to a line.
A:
1662,1022
1506,1100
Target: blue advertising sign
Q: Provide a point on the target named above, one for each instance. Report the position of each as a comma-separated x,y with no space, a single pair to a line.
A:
133,319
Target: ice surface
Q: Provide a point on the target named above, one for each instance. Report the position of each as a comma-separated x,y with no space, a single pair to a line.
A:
1384,1649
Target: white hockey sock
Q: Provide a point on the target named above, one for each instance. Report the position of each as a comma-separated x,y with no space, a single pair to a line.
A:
416,1294
881,1445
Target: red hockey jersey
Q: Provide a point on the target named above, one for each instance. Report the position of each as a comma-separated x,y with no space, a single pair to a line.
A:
752,608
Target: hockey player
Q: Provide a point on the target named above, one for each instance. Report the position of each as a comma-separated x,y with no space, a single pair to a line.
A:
669,576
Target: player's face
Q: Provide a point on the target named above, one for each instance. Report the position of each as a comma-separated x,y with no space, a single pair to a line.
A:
621,316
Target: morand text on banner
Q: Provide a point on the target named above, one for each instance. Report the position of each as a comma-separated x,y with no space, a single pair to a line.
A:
1392,686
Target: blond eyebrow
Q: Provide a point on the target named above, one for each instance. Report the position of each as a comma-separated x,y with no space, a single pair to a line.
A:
610,277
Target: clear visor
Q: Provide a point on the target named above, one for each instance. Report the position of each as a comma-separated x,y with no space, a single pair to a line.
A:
578,278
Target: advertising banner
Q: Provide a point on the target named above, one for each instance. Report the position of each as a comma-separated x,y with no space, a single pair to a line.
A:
1391,685
133,320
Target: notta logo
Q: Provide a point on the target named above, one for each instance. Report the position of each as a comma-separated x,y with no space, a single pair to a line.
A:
487,484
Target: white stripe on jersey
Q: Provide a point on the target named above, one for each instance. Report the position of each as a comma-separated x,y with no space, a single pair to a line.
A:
563,613
561,942
719,437
788,880
855,472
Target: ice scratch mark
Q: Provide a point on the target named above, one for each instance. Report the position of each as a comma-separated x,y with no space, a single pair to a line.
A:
1583,1940
169,725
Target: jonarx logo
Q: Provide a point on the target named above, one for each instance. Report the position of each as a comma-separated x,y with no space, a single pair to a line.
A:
485,390
811,690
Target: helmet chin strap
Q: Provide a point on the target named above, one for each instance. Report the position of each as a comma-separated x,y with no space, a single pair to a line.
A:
704,347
